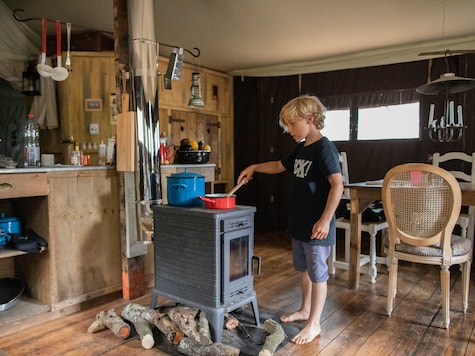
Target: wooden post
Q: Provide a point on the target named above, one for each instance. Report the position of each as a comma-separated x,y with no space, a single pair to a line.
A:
133,269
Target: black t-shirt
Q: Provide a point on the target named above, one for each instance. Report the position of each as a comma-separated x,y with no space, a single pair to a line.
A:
310,166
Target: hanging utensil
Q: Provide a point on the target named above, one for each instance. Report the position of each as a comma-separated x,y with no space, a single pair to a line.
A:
68,58
236,187
43,69
59,72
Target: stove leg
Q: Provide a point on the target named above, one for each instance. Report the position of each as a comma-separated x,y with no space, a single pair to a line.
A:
216,320
255,311
153,301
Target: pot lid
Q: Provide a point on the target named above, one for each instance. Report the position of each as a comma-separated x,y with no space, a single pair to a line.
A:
185,174
448,83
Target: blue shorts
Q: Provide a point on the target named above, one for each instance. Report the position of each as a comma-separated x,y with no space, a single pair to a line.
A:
311,258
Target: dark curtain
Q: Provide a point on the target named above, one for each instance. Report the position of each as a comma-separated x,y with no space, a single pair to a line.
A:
258,137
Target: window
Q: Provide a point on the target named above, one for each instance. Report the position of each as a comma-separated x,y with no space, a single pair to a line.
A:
382,122
389,122
337,125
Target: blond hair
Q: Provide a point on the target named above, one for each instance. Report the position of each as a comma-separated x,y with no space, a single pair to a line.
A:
302,107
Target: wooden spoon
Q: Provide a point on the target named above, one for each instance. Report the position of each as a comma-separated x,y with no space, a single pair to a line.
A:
236,187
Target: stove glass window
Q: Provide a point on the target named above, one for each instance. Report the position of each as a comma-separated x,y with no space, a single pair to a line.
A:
238,257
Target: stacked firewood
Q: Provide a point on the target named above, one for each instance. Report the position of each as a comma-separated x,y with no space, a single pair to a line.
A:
185,327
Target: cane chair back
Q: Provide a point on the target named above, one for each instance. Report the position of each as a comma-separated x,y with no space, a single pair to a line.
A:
422,203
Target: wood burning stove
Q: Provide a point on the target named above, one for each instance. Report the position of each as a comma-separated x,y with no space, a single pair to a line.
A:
204,259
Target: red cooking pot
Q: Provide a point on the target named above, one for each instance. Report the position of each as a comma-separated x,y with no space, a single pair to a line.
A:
219,201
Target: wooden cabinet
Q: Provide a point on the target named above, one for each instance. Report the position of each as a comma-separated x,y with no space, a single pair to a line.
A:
198,127
29,189
77,212
212,124
84,225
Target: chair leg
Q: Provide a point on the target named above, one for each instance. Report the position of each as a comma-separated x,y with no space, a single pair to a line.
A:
392,285
347,245
445,289
384,240
465,284
373,270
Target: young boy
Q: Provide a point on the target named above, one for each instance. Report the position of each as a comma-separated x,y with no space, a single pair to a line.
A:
317,190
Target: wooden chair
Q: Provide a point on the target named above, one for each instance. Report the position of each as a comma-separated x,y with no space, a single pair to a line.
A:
465,220
422,203
372,228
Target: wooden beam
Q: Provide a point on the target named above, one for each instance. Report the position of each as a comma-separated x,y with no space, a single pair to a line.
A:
133,269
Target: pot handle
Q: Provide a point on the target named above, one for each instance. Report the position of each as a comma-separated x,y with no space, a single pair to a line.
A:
211,201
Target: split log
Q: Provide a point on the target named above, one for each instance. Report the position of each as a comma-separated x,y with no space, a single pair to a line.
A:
192,347
160,320
205,333
230,322
112,321
184,317
132,313
274,339
170,330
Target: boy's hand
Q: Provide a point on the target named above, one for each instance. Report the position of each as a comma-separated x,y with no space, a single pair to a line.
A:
320,230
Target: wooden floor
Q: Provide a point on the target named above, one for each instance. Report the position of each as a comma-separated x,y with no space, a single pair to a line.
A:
353,322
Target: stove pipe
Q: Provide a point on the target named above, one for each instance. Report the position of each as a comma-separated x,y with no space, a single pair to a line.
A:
144,55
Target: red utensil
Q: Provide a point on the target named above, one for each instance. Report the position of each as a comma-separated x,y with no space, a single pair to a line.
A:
59,73
43,69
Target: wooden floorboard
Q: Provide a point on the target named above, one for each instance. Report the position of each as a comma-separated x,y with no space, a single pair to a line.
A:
353,322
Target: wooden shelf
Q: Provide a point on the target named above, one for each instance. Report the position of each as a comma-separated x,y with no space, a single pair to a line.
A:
6,252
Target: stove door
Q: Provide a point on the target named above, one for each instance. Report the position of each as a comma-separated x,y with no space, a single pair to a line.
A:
237,253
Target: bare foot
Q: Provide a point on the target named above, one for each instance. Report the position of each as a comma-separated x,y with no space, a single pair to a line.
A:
307,334
298,315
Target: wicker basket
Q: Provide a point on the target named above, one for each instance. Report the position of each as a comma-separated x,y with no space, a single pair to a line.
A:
192,157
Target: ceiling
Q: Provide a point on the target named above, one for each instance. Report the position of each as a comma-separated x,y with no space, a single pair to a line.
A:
281,37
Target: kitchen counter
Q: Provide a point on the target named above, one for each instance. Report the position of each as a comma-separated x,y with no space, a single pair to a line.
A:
56,168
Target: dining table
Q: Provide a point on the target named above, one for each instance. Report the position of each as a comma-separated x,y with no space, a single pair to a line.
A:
363,194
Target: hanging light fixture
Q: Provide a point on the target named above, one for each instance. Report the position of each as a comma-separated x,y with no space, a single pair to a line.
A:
450,126
196,100
448,83
31,84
